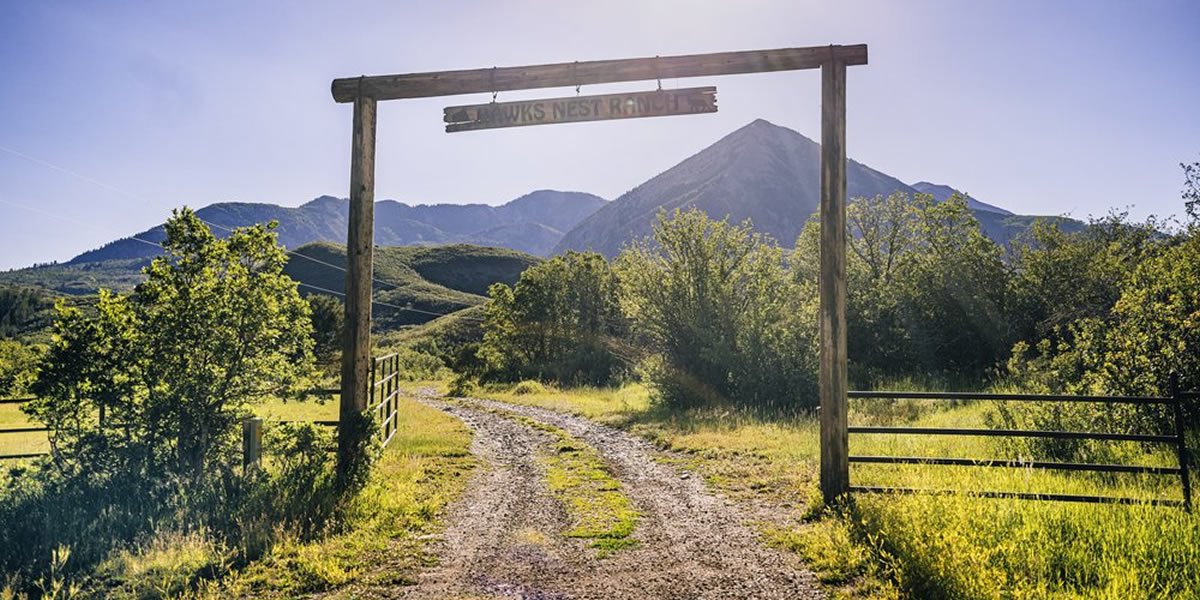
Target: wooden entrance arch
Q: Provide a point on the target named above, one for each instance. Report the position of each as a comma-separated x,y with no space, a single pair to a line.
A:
366,91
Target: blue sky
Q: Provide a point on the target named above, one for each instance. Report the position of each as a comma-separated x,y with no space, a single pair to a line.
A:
112,113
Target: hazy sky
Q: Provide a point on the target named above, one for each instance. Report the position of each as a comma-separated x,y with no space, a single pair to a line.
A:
126,110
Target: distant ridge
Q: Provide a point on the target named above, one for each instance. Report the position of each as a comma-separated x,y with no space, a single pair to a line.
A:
942,193
532,223
761,172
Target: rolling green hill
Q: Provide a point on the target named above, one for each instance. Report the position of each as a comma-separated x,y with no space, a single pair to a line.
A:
423,281
414,284
79,279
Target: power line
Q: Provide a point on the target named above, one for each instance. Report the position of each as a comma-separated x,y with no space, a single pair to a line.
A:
130,196
378,303
160,246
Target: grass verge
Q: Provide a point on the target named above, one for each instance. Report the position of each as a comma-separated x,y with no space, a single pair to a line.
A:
423,469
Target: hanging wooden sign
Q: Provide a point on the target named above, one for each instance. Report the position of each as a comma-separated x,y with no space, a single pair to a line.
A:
573,109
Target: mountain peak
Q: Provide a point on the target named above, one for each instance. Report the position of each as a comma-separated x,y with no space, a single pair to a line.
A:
324,202
762,172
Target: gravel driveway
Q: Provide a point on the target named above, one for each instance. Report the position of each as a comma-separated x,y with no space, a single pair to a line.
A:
504,535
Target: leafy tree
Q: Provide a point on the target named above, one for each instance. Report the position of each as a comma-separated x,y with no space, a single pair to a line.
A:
20,309
1144,330
725,321
328,324
1064,277
174,365
927,291
18,367
1156,330
560,321
955,291
882,240
1191,191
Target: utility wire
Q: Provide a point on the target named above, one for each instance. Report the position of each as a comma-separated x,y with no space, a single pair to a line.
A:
209,223
308,285
131,196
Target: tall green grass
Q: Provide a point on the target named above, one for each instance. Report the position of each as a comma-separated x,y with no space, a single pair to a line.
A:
374,537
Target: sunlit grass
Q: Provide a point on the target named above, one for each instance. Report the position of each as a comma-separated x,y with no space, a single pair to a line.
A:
19,443
423,469
609,405
382,542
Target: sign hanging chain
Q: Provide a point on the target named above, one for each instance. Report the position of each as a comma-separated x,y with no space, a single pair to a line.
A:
575,76
658,72
493,86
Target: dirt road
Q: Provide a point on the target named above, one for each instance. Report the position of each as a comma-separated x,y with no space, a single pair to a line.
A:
504,535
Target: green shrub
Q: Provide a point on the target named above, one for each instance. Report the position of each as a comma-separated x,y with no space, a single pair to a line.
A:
724,319
176,364
527,387
560,322
462,386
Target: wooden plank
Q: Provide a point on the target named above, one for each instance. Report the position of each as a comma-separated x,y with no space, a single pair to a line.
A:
356,346
251,443
570,74
24,429
23,455
574,109
835,469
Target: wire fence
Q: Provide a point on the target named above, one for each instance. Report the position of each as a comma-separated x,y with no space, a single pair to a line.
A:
383,405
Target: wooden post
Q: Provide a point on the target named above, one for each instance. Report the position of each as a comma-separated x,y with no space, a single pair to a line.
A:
356,344
835,469
1181,448
251,443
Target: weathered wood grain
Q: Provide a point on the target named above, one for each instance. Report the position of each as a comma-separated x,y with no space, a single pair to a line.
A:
569,74
835,468
573,109
251,443
360,244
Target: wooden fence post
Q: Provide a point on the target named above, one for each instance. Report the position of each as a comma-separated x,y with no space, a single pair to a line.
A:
251,443
835,468
1181,448
356,345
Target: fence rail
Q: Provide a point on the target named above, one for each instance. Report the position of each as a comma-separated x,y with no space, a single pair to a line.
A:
387,406
1178,440
385,394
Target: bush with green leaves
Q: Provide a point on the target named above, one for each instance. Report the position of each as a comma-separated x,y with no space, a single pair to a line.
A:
328,323
560,322
1129,296
927,291
721,316
144,394
18,367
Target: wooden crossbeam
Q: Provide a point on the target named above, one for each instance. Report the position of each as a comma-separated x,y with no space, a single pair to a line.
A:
503,79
